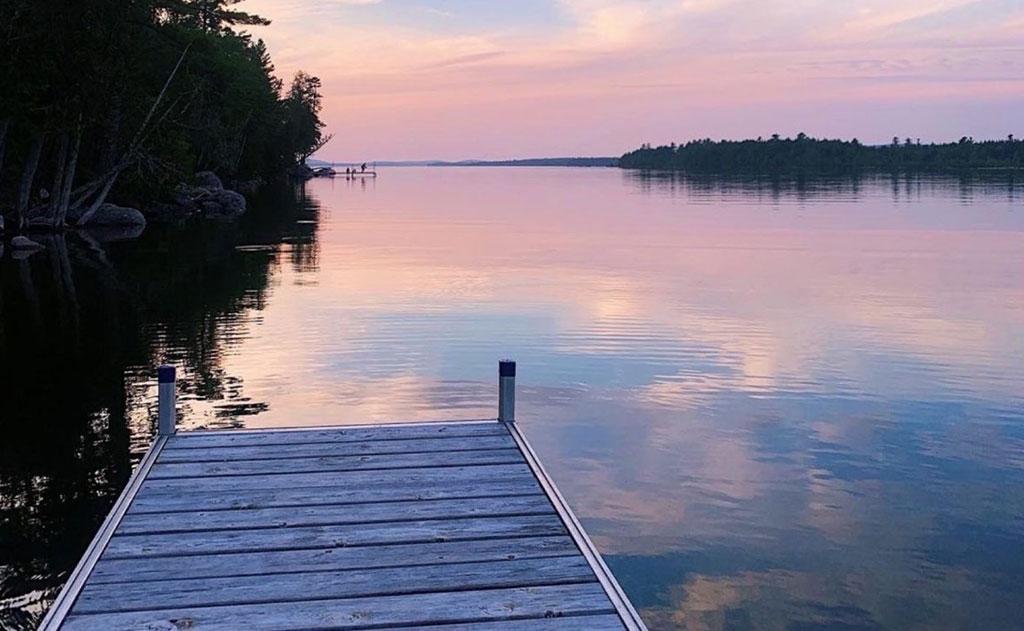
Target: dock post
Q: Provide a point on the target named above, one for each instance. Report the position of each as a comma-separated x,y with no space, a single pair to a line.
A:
507,391
167,420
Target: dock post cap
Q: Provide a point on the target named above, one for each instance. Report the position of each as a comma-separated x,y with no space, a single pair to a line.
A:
165,374
507,391
167,420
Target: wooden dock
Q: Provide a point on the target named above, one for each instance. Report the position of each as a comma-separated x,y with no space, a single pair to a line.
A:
441,526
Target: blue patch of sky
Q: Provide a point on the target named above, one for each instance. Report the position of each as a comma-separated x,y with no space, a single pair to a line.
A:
974,14
455,17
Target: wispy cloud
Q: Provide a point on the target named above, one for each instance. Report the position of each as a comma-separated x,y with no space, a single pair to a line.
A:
464,59
633,67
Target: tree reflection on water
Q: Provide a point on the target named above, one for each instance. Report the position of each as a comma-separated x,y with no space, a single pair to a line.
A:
83,324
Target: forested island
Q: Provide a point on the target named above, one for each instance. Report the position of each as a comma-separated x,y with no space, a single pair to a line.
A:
112,101
805,154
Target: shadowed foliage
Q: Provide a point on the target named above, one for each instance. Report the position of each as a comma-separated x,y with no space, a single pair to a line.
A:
124,100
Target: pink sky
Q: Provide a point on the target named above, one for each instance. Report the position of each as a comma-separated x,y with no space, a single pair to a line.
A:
454,79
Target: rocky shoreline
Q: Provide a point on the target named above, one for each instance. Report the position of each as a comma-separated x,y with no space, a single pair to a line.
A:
205,198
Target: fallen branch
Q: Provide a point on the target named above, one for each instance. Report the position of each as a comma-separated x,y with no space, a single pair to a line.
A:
133,146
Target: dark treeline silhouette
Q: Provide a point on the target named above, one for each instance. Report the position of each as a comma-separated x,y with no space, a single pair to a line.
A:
122,100
813,155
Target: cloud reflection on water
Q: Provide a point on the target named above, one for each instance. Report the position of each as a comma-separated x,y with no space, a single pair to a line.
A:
768,405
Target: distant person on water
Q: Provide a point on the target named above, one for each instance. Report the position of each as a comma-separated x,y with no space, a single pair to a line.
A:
363,167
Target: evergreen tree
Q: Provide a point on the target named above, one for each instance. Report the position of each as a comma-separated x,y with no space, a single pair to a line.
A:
126,98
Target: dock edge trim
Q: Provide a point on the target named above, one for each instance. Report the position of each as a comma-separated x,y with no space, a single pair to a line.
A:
61,607
630,618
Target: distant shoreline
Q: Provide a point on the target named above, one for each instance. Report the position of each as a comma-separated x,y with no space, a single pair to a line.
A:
801,155
806,155
519,162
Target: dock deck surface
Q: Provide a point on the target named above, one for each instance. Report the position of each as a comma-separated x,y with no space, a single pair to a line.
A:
431,525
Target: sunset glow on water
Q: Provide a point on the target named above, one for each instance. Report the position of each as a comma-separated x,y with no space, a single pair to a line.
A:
763,400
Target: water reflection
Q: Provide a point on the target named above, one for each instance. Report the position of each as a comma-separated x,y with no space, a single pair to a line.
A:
774,403
84,323
804,187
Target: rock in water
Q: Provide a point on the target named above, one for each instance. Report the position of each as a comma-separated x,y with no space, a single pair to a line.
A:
209,201
111,215
209,179
24,243
224,203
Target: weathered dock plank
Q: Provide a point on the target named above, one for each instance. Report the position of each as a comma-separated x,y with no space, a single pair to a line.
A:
242,540
213,592
425,526
606,622
317,450
362,479
381,490
138,569
397,431
336,464
334,514
521,603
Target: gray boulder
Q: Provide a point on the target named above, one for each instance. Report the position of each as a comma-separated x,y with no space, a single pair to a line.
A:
21,255
24,243
224,203
113,215
208,201
185,194
208,179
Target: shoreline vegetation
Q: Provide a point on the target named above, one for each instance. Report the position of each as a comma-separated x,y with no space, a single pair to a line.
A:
804,154
116,113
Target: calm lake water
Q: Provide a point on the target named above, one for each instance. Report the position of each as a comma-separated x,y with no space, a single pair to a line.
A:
774,405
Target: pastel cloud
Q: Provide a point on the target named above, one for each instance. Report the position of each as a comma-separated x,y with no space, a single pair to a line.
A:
450,79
